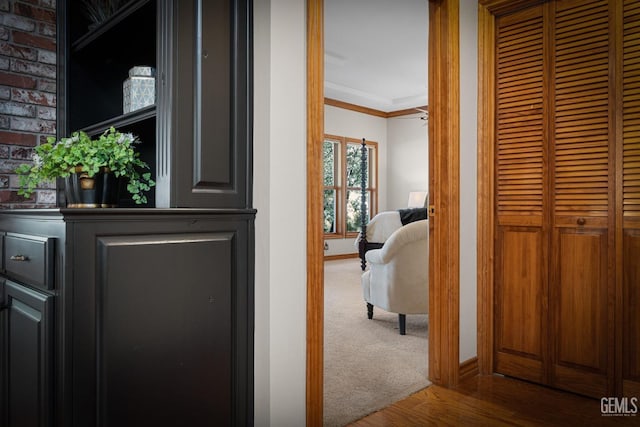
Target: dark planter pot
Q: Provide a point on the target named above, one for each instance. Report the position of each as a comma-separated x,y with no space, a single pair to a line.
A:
99,191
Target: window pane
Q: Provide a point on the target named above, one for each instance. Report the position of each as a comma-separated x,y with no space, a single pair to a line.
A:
372,169
354,167
329,211
354,218
330,162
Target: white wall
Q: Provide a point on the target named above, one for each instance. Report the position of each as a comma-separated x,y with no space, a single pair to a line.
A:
468,177
407,159
261,173
280,198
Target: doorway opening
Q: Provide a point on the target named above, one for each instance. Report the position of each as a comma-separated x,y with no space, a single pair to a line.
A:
375,87
444,366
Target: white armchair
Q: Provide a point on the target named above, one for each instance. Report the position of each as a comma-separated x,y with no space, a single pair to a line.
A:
398,277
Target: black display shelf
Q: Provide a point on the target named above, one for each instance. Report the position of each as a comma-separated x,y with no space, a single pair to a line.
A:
122,120
127,10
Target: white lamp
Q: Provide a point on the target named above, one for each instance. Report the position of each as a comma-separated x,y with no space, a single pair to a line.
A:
417,199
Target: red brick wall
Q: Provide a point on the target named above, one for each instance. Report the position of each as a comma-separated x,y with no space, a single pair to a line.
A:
27,92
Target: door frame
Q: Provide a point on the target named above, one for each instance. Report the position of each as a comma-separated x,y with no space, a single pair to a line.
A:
486,186
315,235
444,189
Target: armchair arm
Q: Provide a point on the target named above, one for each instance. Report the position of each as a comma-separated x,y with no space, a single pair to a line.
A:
375,256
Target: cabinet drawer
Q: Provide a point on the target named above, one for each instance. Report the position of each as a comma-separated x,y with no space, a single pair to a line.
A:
29,259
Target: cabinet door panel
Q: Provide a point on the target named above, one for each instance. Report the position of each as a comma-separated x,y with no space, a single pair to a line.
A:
582,300
27,354
519,304
164,329
582,327
211,134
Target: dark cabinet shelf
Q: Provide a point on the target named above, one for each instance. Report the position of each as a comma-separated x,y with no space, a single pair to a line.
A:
121,15
98,63
124,120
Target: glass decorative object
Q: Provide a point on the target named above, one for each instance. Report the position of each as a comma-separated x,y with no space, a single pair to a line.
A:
139,90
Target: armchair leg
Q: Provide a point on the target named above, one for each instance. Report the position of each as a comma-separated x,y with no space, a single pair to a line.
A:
402,320
369,311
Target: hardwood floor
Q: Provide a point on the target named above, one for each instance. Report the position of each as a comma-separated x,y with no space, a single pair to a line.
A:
495,401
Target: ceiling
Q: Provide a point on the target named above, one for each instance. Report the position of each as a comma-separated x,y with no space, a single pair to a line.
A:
376,53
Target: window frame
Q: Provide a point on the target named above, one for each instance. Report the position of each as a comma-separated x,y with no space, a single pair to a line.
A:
340,184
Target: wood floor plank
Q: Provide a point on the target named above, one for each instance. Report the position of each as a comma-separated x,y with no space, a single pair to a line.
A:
494,401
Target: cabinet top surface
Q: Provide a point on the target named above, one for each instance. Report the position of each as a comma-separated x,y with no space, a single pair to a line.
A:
60,213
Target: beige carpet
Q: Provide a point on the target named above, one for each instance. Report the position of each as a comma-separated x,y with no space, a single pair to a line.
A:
368,364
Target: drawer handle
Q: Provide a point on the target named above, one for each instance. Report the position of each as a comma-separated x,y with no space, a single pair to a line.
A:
19,258
581,221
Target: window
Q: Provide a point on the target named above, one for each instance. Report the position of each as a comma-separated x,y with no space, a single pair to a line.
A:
342,185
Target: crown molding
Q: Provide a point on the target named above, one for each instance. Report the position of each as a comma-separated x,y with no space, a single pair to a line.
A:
372,111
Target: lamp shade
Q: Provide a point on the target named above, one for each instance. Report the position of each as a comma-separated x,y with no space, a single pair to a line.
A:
417,199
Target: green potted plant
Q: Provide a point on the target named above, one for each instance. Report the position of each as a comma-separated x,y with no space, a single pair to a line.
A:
91,168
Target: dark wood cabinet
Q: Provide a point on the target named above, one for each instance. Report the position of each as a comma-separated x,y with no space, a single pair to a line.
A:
26,379
197,135
152,306
141,315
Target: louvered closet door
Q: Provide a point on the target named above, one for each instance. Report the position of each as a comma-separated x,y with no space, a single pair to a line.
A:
567,269
582,256
521,243
631,198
